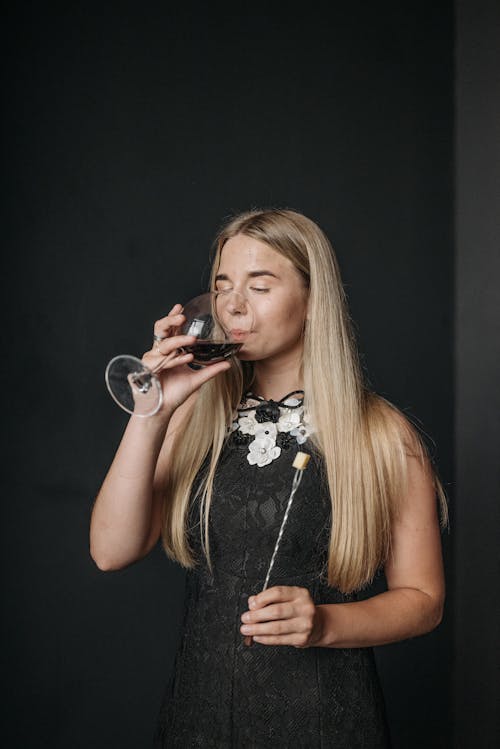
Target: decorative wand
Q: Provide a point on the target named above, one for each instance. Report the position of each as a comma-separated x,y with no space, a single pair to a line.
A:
300,462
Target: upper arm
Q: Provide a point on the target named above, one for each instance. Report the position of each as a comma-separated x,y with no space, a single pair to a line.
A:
415,559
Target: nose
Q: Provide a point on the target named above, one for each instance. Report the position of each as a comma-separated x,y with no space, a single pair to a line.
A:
233,302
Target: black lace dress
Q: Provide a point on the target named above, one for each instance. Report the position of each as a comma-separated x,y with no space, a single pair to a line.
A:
227,694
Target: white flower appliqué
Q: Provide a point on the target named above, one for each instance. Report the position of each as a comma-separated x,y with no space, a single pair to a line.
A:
263,450
266,430
289,419
247,423
302,431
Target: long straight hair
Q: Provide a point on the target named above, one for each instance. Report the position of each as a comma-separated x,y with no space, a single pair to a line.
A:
365,441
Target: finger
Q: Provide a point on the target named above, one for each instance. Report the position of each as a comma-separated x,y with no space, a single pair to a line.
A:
272,595
169,345
282,627
269,613
201,376
165,325
161,362
162,352
296,641
175,359
176,310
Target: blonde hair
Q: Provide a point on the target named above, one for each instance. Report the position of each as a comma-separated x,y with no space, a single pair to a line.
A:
364,440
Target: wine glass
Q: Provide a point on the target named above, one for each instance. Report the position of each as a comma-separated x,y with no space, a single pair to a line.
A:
220,320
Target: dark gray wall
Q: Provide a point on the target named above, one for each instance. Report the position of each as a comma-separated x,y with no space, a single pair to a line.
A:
129,134
477,511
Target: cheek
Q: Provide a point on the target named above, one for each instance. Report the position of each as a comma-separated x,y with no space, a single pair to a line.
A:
278,327
284,320
293,314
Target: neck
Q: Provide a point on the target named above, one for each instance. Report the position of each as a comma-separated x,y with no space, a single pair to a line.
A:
276,377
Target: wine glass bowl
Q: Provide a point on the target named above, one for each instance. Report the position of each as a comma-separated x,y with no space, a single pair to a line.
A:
209,317
220,322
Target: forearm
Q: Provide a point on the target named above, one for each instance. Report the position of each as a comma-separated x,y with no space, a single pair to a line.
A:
122,516
388,617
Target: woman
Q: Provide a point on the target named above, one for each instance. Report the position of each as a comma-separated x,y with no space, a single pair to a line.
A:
211,473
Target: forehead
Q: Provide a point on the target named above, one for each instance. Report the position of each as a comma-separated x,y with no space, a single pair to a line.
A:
246,254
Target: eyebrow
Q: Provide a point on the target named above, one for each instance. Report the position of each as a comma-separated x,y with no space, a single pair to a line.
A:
251,274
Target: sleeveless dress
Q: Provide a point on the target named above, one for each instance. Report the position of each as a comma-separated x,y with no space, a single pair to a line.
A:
224,693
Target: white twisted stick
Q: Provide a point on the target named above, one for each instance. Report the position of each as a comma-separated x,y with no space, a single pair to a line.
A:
295,485
300,462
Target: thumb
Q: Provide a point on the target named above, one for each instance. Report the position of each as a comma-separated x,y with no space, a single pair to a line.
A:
207,373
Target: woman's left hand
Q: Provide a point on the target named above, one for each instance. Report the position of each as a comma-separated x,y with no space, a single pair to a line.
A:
282,615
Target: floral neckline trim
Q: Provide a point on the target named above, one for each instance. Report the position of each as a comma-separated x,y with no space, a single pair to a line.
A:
268,427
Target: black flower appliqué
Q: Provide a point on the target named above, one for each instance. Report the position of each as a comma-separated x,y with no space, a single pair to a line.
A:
285,440
240,438
268,411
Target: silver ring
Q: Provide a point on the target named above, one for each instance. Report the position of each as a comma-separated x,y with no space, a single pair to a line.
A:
159,338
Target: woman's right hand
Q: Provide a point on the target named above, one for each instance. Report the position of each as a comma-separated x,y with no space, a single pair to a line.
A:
170,364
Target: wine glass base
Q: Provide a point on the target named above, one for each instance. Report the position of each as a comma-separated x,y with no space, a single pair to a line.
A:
133,386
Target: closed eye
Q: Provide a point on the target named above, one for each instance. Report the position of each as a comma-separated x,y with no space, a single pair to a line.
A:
258,288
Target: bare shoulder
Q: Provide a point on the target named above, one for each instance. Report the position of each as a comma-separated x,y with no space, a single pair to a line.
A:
403,442
398,426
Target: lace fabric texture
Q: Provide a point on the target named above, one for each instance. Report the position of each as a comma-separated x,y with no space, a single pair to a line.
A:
226,694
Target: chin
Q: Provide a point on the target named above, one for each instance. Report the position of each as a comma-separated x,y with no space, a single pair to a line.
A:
244,356
249,354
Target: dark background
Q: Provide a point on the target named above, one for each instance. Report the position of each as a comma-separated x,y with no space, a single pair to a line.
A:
129,133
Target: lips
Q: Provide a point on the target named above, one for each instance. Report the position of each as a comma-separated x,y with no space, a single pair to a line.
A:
239,335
